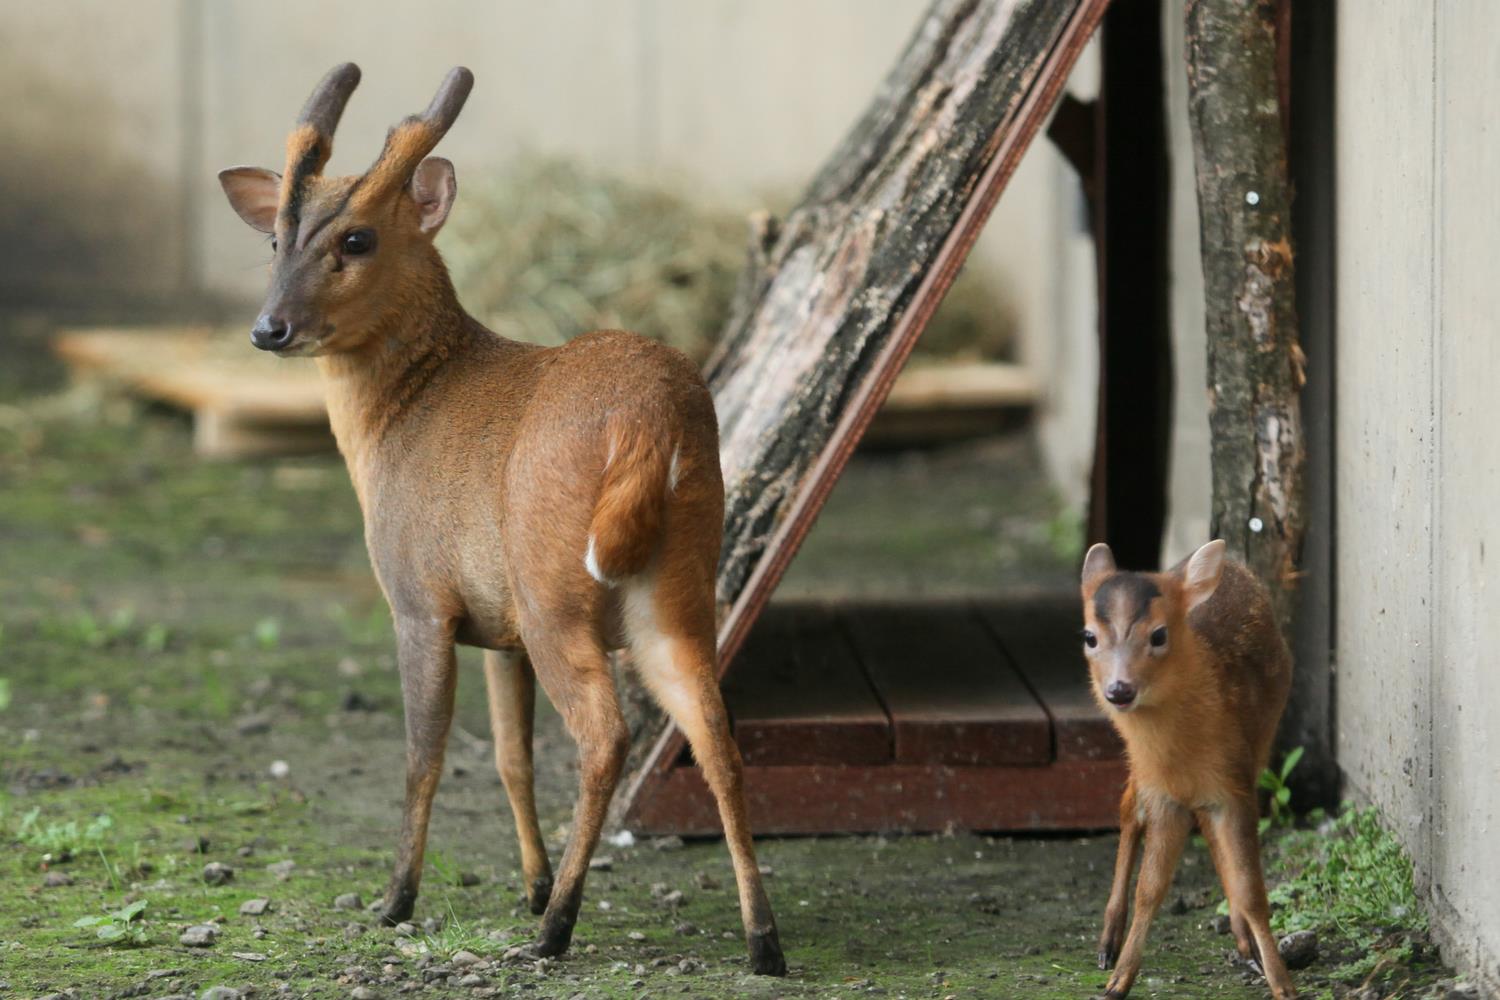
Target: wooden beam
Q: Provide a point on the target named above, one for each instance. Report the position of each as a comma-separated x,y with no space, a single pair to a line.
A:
1255,361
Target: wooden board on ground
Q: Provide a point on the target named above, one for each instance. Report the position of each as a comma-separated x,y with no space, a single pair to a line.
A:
1041,636
800,696
952,694
244,402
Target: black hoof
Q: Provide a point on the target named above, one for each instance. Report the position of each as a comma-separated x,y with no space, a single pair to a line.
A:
1107,958
766,958
540,895
553,940
397,910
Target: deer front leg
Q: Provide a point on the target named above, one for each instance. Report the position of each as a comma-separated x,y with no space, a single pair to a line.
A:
1236,827
1166,832
1243,942
424,650
1115,912
512,695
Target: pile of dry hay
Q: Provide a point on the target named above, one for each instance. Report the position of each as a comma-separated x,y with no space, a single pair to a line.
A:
550,250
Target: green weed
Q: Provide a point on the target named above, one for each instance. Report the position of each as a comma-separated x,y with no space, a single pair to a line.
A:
122,926
60,841
1275,782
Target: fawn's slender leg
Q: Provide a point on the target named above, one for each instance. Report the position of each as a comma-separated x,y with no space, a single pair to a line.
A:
512,695
1167,827
424,652
1245,885
679,671
1243,942
1113,935
574,671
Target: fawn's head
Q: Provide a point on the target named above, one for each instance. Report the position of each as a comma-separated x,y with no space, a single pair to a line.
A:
1134,624
349,252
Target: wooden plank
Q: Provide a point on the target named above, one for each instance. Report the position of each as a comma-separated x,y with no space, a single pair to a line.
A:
1076,795
951,692
1041,636
798,696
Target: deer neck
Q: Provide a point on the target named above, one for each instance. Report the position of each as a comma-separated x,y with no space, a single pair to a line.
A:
371,390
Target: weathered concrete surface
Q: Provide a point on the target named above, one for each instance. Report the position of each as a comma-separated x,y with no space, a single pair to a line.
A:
1419,459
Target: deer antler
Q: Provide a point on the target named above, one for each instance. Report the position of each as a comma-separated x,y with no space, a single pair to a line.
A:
414,137
311,142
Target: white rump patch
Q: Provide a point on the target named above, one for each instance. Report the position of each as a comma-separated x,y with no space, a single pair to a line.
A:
673,471
653,653
591,563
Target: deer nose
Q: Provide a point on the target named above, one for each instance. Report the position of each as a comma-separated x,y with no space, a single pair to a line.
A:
270,333
1120,693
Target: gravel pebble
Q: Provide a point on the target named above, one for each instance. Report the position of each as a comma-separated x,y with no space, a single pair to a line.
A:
56,880
349,901
199,936
1299,949
217,873
463,959
282,869
254,907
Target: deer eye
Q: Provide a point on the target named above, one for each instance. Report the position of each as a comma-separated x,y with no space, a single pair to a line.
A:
358,241
1159,636
274,244
1090,639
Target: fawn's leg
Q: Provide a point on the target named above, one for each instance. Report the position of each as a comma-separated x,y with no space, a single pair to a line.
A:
1118,907
574,670
1243,942
1245,885
674,653
1166,831
512,695
424,652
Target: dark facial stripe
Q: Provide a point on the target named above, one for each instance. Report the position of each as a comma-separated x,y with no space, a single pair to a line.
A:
296,184
312,229
1131,590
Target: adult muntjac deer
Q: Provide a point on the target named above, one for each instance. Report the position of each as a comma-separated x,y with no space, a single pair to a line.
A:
546,505
1192,670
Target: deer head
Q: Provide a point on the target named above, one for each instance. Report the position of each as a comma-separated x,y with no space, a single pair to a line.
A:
349,253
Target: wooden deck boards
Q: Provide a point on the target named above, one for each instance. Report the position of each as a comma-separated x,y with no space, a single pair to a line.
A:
878,716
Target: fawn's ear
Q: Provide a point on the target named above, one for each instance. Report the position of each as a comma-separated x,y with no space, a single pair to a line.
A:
1201,577
254,193
433,188
1098,564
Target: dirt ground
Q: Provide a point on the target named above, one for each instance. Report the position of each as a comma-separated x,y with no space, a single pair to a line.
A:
197,652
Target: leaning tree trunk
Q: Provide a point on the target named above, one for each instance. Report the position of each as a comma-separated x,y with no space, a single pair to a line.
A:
1254,362
829,288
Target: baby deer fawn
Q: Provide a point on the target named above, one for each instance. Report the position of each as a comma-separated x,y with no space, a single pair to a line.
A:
544,504
1192,670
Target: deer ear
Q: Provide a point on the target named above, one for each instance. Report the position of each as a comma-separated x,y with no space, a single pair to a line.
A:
254,193
433,188
1201,577
1098,564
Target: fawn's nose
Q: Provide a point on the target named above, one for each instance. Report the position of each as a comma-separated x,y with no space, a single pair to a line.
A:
270,333
1120,693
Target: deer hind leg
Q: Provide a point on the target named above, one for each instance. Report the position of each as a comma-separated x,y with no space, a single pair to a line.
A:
573,668
671,638
1245,885
1113,936
428,677
511,686
1166,832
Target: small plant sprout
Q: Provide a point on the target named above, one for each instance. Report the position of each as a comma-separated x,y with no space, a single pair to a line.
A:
267,633
1275,782
122,926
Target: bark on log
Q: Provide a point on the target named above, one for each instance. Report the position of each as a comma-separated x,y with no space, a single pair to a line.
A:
824,289
1255,364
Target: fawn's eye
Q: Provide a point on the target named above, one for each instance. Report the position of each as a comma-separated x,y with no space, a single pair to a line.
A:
1090,639
1159,636
358,241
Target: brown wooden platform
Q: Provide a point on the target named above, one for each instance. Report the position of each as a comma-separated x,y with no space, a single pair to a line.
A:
864,716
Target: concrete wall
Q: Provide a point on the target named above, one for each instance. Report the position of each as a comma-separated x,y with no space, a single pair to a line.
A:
118,117
1418,475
